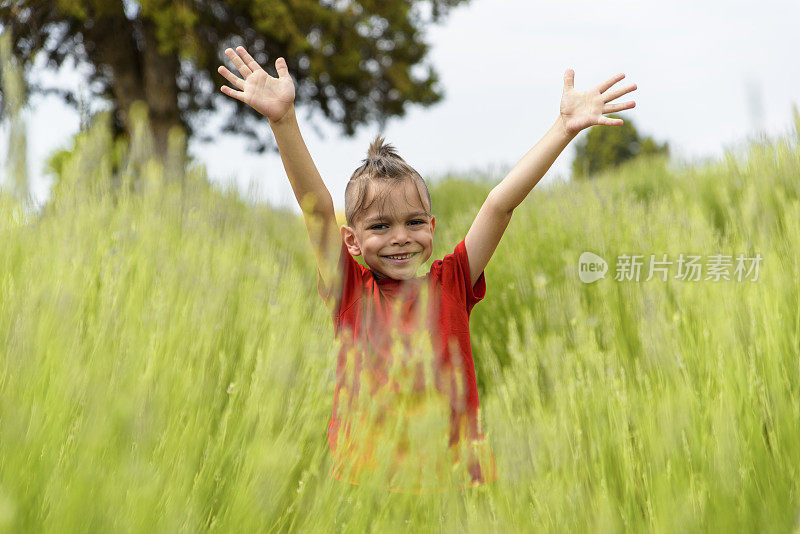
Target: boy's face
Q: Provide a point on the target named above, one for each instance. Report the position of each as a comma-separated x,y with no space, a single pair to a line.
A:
399,225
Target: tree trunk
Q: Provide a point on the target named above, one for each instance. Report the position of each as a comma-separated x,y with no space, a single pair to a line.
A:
111,42
160,88
139,73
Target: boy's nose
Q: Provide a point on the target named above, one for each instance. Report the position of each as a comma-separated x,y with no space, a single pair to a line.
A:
400,235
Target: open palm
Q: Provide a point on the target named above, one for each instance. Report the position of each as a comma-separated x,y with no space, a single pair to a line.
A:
270,96
581,109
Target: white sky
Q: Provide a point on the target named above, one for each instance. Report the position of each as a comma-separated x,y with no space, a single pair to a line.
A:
709,74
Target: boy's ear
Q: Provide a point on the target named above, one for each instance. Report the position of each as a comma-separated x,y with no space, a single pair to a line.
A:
349,238
433,223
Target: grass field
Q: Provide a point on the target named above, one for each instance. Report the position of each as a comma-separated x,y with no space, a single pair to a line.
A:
167,365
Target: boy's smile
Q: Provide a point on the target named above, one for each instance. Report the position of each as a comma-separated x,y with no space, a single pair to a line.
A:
394,235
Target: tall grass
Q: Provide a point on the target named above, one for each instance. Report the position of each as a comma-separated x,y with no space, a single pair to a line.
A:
166,363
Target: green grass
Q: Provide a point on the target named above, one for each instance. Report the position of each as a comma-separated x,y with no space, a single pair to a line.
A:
166,363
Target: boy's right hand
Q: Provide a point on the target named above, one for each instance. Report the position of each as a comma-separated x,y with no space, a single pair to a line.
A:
272,97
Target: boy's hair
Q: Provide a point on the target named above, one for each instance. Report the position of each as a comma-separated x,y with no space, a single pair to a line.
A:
383,166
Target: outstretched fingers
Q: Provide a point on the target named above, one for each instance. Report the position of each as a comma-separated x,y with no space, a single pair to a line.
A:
243,69
603,87
613,108
616,93
248,59
606,121
569,79
238,95
280,66
231,77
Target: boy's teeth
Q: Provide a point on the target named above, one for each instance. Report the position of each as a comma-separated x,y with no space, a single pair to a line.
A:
402,257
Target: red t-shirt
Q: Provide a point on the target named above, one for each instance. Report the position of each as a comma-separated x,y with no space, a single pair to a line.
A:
366,306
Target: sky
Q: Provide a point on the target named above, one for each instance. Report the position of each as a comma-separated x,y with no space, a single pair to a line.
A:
710,75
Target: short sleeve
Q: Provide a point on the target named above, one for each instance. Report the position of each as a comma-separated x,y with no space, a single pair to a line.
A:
456,279
350,272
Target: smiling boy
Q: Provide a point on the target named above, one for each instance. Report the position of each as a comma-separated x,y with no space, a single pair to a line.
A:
388,212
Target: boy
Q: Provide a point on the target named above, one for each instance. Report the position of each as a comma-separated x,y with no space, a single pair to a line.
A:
389,223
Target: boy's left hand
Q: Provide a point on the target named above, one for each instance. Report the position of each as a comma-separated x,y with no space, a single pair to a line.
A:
581,109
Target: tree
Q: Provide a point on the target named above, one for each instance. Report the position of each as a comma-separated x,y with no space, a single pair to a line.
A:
605,148
13,90
352,59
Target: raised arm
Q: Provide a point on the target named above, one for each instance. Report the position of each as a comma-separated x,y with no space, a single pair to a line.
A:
274,98
579,110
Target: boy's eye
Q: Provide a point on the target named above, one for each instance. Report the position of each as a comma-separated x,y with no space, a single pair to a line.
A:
417,221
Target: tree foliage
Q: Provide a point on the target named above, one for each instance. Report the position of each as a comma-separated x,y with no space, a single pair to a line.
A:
354,61
607,147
